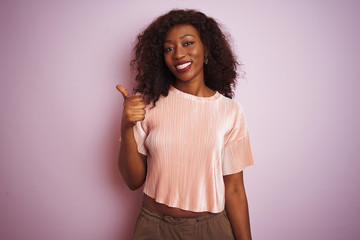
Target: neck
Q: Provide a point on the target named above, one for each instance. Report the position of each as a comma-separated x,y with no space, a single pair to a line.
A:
198,89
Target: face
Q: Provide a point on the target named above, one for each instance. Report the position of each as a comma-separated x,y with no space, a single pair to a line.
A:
184,53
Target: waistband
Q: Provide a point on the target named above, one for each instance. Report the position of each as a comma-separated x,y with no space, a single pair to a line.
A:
147,212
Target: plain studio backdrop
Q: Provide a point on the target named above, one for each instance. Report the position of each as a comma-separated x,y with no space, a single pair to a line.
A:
61,114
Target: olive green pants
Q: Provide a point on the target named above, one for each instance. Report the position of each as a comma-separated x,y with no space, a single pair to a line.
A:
152,225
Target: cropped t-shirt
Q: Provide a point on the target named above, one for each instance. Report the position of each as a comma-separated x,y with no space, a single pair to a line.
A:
191,142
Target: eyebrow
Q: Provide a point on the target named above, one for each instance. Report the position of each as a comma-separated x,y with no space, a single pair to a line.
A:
186,35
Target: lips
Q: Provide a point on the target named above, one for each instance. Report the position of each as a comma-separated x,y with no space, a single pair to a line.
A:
183,66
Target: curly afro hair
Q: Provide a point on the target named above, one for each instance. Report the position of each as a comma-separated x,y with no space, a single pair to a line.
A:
153,76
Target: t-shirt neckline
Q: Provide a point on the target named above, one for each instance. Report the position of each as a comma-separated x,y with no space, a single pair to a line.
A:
193,97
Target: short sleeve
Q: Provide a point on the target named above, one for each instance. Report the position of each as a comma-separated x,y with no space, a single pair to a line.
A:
140,133
237,152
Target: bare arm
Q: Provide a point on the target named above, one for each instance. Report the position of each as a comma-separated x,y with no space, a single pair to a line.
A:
236,206
131,163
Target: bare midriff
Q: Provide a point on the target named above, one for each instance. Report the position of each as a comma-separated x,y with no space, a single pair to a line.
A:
169,211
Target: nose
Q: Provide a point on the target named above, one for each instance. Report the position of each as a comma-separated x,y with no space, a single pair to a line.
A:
179,53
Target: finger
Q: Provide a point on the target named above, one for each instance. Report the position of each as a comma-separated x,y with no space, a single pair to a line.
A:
132,114
135,99
136,118
123,91
138,112
139,105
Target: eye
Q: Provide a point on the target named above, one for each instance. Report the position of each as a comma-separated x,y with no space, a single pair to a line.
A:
168,49
188,43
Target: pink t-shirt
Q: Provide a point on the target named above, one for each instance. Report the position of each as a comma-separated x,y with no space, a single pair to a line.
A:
190,143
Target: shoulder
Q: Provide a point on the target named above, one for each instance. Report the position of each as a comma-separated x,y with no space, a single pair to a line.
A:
234,107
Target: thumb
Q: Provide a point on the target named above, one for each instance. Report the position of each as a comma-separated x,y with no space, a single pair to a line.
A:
123,91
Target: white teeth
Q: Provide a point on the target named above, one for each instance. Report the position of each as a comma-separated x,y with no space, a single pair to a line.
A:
182,66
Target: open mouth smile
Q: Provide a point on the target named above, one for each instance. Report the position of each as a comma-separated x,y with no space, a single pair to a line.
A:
183,66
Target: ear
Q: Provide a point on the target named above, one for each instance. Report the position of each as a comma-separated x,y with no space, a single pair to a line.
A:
206,54
205,50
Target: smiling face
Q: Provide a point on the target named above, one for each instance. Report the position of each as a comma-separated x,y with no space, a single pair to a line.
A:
184,53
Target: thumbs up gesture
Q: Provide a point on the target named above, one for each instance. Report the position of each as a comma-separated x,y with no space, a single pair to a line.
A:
134,108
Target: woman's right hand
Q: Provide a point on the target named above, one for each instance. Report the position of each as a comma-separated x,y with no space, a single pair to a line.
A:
134,108
132,164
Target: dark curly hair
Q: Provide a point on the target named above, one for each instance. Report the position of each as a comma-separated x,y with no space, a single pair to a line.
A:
153,76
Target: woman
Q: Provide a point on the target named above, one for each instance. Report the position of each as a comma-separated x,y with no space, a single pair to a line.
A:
182,135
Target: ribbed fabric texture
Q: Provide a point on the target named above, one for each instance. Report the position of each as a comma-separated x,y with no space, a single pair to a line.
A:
190,143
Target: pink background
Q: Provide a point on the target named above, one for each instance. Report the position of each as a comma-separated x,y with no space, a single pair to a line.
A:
60,115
